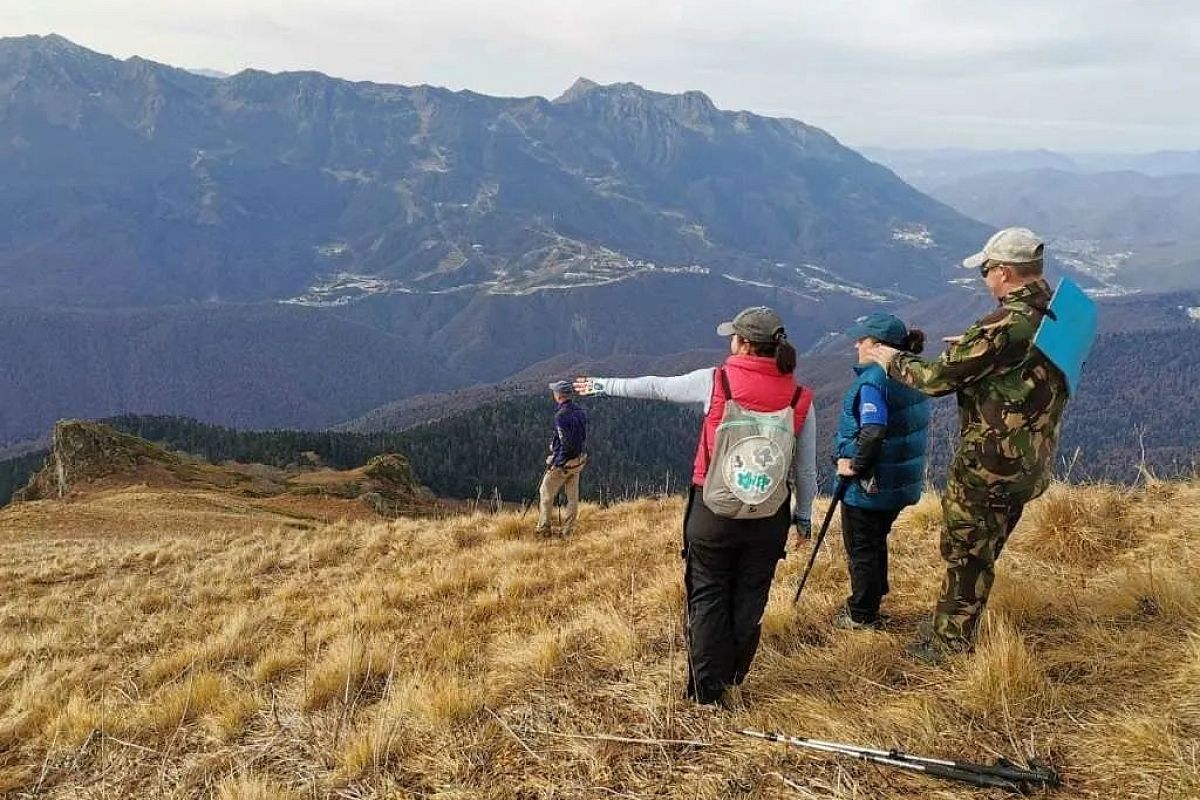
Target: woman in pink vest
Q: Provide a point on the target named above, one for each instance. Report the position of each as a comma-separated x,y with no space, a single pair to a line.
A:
730,563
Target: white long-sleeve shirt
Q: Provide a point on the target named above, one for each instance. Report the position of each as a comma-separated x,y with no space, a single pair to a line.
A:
697,387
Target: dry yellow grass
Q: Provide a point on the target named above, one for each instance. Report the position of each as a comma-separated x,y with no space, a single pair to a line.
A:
218,650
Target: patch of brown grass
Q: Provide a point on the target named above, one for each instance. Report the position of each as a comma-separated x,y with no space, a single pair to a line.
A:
371,750
1160,591
1081,524
205,648
77,721
511,527
349,667
229,717
173,706
925,517
253,787
274,665
1002,679
439,700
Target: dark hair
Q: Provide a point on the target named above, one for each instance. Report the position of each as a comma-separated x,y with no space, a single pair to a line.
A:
780,349
914,342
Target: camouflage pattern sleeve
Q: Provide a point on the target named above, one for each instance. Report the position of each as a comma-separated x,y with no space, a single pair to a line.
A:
994,343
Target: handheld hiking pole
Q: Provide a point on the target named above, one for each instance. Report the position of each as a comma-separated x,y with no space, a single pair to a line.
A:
1002,775
838,494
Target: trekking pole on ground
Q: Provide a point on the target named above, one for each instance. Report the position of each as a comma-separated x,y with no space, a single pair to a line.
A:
1004,774
838,494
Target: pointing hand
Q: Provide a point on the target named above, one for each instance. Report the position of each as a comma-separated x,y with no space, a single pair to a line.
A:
586,387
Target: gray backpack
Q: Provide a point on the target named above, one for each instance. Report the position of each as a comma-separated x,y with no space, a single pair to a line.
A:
752,456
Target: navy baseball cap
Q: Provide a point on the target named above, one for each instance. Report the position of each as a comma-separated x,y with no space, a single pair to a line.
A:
884,327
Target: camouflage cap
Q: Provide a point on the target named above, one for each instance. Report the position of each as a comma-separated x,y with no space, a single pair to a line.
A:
754,324
1009,246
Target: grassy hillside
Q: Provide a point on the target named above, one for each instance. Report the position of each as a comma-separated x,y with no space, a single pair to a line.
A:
160,646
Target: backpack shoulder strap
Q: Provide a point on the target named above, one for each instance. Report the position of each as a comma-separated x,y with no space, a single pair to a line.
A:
720,384
724,376
801,405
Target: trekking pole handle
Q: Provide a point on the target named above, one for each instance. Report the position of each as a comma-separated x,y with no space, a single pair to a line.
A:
1012,772
968,776
842,487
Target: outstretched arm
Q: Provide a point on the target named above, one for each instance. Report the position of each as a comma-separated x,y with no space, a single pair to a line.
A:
694,387
986,347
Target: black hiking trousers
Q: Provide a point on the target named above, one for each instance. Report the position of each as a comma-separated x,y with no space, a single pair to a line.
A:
865,532
728,568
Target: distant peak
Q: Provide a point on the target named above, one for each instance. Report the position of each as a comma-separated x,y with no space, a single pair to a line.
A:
584,87
51,49
50,43
699,99
578,89
693,100
210,73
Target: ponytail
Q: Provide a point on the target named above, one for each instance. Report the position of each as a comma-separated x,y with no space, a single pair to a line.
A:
780,349
785,357
914,342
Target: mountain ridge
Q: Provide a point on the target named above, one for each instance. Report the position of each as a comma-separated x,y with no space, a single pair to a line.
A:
300,186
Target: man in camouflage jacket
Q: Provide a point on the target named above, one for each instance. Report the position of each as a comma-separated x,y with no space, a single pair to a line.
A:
1010,400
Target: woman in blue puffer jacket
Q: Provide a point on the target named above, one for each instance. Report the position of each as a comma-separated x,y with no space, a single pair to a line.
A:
880,446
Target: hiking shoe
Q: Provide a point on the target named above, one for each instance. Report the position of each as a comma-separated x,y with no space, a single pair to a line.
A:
733,699
844,621
926,651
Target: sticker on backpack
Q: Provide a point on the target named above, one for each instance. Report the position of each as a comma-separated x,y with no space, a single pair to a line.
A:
753,467
751,457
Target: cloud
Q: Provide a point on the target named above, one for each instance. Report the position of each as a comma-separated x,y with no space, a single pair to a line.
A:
1067,74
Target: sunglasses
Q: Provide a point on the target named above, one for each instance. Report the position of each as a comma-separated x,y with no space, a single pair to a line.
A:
986,267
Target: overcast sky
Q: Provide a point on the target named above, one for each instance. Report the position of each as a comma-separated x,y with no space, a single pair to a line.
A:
1116,75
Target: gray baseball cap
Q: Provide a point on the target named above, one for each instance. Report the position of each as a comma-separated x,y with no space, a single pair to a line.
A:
1009,246
565,388
754,324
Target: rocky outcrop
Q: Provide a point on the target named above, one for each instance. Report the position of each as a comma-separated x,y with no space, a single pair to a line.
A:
392,476
94,456
391,486
85,452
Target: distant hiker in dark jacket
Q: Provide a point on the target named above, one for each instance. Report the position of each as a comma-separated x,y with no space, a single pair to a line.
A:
729,562
566,460
880,446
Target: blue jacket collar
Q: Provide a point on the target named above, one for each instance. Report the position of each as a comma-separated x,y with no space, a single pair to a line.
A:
859,369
